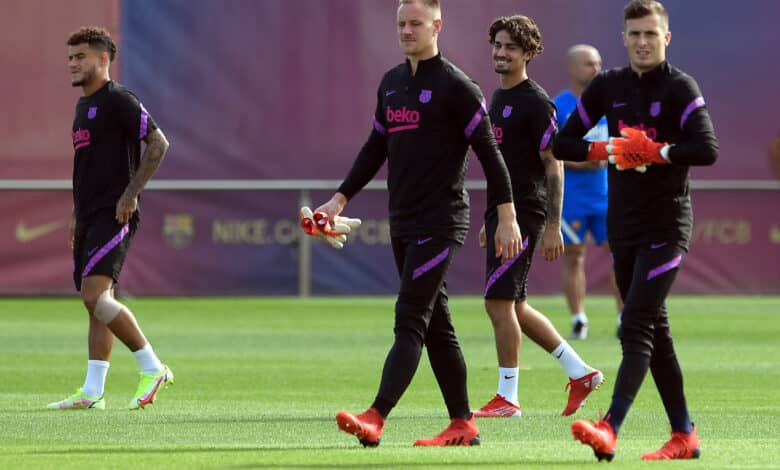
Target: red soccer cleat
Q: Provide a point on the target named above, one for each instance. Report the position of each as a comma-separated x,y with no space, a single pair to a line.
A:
460,432
367,426
599,436
498,407
680,446
579,389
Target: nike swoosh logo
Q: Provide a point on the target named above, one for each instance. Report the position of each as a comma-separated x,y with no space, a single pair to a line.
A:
559,355
507,377
653,246
25,234
390,92
424,240
618,105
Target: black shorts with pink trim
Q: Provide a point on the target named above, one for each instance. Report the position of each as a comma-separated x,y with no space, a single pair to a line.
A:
509,280
101,245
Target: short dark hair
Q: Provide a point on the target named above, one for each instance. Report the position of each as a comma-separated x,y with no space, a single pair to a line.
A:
98,38
640,8
522,29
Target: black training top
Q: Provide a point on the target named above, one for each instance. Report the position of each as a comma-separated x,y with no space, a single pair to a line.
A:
667,105
524,123
107,131
423,126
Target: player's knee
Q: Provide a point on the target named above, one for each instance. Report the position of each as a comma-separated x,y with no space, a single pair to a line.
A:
104,307
411,320
90,299
500,311
663,346
636,338
441,340
574,256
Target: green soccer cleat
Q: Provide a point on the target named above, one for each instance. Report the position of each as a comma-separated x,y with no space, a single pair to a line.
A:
148,387
79,401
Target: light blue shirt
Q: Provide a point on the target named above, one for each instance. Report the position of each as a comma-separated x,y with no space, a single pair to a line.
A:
586,188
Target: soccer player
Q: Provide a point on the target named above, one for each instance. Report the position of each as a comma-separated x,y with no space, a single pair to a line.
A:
428,113
524,121
108,176
666,128
585,193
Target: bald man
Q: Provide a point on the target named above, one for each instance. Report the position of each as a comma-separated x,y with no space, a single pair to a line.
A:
585,193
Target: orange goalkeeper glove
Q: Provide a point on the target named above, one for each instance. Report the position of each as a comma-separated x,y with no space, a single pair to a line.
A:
635,151
597,151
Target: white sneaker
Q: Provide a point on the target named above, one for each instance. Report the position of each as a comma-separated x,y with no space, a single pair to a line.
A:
580,331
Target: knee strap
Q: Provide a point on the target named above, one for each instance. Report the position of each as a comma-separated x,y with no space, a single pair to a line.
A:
107,308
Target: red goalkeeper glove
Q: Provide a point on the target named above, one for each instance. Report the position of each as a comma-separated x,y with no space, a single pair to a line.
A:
318,226
341,225
597,151
634,150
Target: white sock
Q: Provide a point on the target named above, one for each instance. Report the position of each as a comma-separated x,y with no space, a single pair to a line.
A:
507,383
148,360
620,319
579,317
95,383
571,362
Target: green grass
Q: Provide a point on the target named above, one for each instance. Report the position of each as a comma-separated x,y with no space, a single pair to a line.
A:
258,382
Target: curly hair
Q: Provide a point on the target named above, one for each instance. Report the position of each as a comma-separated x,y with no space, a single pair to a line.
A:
522,29
98,38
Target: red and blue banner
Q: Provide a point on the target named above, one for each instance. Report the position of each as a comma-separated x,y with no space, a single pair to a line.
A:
276,89
246,242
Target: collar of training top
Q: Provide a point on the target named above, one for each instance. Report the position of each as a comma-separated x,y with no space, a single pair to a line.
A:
654,75
97,92
424,65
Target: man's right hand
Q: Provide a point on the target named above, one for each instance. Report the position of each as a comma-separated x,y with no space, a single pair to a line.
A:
508,236
333,207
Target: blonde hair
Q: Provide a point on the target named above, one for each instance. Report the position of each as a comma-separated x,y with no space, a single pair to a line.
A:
427,3
434,5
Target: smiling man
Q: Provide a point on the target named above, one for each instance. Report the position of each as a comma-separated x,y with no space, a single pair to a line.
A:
427,115
660,127
525,124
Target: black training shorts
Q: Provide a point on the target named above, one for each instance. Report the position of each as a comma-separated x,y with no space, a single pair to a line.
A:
101,245
509,280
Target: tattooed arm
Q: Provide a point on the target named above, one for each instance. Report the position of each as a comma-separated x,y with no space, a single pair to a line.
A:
552,240
156,147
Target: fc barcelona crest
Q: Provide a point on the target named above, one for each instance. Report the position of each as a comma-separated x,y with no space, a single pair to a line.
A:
507,111
92,112
178,230
425,96
655,108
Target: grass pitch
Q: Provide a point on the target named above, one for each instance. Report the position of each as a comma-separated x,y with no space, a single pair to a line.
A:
258,382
